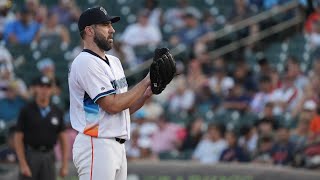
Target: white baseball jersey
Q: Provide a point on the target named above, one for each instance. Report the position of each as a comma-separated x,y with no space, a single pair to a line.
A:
91,78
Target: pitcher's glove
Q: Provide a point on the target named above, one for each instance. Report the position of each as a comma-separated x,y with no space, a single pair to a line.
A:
162,70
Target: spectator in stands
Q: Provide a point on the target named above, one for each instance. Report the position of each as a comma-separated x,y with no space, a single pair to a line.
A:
248,139
173,17
240,11
209,21
206,100
139,148
286,97
315,122
153,109
41,14
268,111
263,96
132,147
166,137
195,76
313,17
145,150
11,103
256,5
183,98
314,36
315,69
194,135
233,153
210,148
38,11
23,30
8,154
263,153
219,82
299,135
309,94
47,68
6,59
255,44
155,17
310,107
311,152
282,150
7,75
237,99
6,15
68,12
266,126
142,33
52,34
145,126
264,68
32,6
244,75
276,81
294,71
190,32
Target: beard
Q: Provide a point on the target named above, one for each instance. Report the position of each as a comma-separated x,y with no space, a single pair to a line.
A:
102,42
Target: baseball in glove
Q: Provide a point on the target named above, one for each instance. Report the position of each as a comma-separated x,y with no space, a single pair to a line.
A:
162,70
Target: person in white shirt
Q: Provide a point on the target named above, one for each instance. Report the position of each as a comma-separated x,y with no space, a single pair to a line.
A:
209,149
183,99
100,104
263,96
286,97
142,33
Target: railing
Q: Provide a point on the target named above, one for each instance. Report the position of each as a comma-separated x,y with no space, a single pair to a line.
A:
255,19
228,29
297,19
251,39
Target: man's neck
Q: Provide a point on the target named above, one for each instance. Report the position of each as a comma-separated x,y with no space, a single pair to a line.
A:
42,103
95,49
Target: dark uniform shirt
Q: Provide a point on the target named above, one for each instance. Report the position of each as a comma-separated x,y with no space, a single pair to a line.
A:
38,130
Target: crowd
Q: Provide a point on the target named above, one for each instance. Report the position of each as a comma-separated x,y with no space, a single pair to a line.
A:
216,110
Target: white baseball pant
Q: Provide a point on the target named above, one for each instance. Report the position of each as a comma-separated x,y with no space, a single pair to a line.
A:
99,158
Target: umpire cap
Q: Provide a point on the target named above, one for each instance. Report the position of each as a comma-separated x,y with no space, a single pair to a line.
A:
95,15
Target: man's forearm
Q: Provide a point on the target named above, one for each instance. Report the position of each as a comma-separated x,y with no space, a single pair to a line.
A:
133,95
64,148
18,142
119,102
136,106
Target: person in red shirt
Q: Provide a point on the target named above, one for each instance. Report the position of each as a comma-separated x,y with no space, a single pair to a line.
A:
313,17
315,124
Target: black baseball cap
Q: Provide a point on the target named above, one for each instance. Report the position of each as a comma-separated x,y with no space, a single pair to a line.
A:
95,15
42,81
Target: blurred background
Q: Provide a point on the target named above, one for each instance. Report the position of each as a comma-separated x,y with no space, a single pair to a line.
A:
248,93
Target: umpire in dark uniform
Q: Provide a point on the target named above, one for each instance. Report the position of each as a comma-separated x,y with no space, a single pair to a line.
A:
39,126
